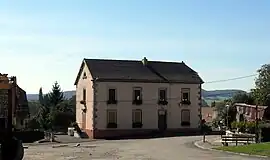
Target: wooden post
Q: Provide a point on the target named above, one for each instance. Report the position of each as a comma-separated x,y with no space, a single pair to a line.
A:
203,137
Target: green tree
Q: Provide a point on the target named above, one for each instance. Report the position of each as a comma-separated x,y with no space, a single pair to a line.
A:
40,97
262,85
56,96
243,97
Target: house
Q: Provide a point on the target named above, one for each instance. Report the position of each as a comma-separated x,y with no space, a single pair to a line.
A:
128,97
209,114
246,112
20,104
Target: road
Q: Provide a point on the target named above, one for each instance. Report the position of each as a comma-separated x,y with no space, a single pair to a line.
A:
175,148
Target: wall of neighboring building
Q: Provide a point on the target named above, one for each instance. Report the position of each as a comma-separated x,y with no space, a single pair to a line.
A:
149,106
208,114
85,83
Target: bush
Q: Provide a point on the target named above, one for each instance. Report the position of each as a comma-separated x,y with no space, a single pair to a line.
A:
244,126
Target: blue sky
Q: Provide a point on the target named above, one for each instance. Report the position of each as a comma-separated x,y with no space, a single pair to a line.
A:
45,41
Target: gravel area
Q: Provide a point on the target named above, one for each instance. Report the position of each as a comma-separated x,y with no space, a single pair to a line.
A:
176,148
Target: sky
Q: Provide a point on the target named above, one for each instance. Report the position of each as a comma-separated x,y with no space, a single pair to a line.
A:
45,41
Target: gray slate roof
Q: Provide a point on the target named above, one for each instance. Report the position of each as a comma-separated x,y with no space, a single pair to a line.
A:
131,70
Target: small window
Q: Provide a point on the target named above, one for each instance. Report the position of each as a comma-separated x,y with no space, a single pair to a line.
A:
84,94
137,116
112,94
137,92
185,117
185,94
84,75
162,94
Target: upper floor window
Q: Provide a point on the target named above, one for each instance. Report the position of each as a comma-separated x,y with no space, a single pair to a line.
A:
84,75
84,94
162,97
137,95
112,96
185,94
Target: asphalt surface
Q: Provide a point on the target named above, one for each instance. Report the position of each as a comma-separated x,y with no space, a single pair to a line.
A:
174,148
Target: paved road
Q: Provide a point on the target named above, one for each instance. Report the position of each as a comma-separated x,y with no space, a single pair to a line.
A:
176,148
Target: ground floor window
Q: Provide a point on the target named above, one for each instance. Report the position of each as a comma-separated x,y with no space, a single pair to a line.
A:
185,117
137,118
112,118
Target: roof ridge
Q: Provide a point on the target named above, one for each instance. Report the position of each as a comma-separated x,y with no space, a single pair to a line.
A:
128,60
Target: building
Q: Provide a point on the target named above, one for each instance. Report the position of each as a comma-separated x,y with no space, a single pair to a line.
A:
19,103
246,112
209,114
125,97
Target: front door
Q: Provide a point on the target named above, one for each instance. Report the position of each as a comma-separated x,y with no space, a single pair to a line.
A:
83,120
162,120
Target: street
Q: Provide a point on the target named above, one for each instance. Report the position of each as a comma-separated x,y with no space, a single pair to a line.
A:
173,148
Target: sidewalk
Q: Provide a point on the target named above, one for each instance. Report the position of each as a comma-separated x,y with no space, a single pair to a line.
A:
209,144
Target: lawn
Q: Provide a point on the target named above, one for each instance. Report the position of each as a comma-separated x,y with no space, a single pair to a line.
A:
254,149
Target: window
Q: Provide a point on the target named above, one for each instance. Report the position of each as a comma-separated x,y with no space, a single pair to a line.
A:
84,94
162,97
162,94
137,96
185,117
137,118
186,96
84,75
112,118
112,96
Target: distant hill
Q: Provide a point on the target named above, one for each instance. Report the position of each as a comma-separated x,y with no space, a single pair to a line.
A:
219,95
34,97
208,96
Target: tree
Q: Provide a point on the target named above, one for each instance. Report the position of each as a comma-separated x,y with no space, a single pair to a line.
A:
243,97
56,96
40,97
262,85
213,104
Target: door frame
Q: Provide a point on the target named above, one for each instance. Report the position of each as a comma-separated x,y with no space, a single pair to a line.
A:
162,113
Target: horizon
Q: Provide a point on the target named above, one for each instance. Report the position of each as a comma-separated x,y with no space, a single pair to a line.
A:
46,41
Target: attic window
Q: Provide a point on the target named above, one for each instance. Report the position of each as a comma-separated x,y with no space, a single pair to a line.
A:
84,75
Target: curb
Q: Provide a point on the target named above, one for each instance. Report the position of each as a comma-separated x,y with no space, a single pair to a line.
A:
215,150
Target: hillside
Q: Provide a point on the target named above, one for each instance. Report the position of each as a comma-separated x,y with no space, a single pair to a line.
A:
34,97
208,96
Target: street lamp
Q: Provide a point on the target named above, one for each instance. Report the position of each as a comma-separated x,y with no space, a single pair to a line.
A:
227,113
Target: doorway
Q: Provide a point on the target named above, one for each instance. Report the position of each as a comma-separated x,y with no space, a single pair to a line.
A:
162,120
83,120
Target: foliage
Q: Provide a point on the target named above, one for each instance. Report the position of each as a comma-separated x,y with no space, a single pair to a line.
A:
243,97
262,85
41,97
52,110
227,115
56,96
244,126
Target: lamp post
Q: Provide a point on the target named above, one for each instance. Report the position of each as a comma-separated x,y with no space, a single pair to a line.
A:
227,115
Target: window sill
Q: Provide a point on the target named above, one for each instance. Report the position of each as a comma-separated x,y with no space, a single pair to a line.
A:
137,125
113,102
185,124
137,102
111,125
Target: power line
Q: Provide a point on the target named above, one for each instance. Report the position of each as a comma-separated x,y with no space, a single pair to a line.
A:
232,79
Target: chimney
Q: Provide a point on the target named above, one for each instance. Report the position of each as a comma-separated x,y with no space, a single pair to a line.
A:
144,61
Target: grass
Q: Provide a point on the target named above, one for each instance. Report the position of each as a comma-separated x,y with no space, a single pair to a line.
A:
262,149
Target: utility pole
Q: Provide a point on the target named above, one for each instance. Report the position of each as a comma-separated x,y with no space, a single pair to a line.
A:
256,129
